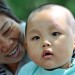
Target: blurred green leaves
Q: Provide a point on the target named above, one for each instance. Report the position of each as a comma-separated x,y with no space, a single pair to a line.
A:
22,8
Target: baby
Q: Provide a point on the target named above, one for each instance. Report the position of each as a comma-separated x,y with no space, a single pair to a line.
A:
50,41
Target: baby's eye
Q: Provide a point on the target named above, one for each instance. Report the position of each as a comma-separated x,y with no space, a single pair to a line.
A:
35,38
55,34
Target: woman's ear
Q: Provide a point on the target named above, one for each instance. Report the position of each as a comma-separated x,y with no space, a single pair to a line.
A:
25,44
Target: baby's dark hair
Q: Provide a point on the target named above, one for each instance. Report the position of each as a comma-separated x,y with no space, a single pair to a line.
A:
5,10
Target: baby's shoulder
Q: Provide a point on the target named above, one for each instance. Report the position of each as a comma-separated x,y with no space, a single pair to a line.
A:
28,68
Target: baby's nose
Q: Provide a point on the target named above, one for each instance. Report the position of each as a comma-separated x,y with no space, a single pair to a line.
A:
46,44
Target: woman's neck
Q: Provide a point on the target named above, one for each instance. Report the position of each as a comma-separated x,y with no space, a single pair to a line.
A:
13,67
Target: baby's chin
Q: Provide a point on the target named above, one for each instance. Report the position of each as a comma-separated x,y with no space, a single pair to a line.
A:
56,67
48,67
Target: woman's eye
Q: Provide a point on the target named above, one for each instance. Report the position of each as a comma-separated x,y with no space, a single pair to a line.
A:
6,32
15,39
35,38
55,34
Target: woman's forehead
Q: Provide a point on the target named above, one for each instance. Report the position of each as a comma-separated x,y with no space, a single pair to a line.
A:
5,21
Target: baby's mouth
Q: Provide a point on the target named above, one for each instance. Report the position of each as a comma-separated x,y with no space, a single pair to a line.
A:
47,54
14,53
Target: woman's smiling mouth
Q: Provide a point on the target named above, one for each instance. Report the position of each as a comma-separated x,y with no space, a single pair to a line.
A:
14,53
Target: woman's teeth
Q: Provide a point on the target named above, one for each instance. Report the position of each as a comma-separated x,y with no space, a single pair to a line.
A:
14,53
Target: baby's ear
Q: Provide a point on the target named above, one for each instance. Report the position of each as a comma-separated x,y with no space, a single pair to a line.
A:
73,56
74,42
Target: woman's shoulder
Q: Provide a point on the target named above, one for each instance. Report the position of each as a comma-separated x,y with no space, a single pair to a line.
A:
3,70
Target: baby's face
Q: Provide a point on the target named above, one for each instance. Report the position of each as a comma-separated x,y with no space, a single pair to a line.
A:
49,40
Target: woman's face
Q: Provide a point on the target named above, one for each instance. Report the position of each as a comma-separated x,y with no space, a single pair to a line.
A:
11,49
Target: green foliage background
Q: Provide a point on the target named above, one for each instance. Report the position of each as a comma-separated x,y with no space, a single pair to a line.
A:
22,8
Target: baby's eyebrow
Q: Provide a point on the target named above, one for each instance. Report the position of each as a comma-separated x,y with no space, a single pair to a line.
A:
33,31
4,25
55,26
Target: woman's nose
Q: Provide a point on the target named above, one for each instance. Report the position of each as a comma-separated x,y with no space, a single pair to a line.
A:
4,46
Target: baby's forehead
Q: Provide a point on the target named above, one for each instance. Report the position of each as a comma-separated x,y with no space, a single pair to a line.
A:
51,14
53,9
48,16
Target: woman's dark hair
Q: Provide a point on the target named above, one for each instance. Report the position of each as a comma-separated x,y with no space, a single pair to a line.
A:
4,9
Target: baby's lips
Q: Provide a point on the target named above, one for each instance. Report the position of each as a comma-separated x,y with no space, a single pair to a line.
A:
47,53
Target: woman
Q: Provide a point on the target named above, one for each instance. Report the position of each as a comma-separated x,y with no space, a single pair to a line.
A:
12,53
